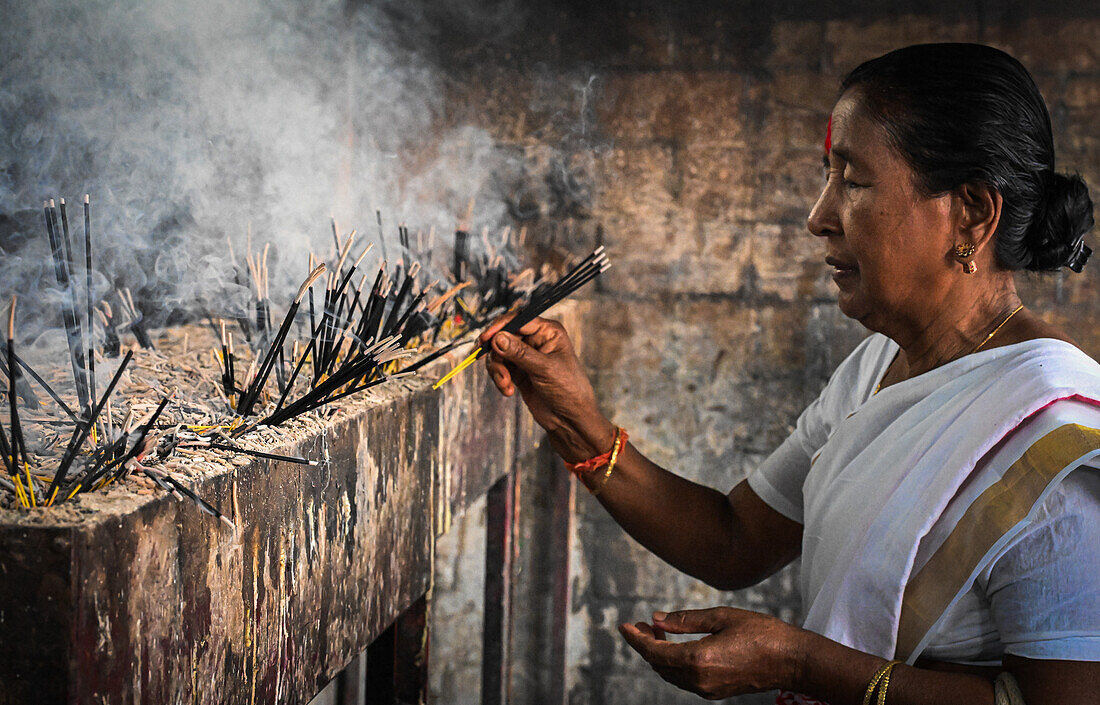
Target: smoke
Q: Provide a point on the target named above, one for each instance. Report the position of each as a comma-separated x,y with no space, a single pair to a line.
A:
191,123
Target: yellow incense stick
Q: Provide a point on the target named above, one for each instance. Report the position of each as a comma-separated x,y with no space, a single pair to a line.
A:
459,367
75,490
27,469
206,427
52,497
20,493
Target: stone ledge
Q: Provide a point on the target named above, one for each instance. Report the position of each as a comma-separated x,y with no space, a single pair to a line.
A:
145,599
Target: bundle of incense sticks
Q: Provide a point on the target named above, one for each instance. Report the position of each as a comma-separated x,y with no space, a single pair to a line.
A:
542,299
357,336
349,339
123,315
111,458
256,382
61,251
15,451
484,288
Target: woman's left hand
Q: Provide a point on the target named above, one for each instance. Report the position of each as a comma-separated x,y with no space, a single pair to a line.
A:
743,652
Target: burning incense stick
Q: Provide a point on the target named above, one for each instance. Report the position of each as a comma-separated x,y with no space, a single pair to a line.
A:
90,342
381,234
228,383
84,342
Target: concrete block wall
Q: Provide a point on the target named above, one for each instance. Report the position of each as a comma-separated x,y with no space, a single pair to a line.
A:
690,142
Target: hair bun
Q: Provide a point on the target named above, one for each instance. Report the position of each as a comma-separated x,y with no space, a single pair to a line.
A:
1056,235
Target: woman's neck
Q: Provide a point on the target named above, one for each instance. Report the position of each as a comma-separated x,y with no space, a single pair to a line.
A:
958,326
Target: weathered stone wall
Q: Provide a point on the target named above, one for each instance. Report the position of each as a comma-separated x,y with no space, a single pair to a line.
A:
688,140
456,619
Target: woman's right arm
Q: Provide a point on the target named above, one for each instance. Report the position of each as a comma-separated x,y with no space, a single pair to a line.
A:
729,541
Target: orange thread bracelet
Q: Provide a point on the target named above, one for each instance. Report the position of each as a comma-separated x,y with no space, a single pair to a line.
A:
609,459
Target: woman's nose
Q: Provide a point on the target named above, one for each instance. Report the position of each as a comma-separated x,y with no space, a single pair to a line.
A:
823,220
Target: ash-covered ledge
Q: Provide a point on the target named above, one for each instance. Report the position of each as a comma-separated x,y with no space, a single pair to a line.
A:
125,598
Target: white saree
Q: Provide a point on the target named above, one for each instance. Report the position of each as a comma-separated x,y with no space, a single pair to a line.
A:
913,491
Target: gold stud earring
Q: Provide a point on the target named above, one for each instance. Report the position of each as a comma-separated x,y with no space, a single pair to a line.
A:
964,251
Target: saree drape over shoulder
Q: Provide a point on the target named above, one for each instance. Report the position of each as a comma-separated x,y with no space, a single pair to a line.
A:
912,492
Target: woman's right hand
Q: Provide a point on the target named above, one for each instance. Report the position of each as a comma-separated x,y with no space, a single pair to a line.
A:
541,364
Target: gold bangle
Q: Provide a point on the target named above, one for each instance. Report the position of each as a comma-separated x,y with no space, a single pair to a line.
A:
611,463
879,682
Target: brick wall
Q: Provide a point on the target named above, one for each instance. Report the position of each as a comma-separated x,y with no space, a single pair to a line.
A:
688,140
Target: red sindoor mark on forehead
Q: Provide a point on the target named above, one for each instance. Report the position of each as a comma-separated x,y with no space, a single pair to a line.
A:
829,136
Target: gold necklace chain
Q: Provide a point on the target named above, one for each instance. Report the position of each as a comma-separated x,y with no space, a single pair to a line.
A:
980,345
1002,325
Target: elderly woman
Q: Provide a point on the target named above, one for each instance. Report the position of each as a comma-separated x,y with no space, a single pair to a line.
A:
940,489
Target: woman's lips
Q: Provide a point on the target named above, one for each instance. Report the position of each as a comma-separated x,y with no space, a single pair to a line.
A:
841,270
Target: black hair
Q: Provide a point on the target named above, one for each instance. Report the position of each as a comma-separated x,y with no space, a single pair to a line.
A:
968,113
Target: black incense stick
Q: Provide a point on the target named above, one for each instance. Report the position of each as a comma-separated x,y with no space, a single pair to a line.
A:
263,454
46,387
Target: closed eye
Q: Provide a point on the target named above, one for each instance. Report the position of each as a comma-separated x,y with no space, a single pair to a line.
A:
841,171
849,183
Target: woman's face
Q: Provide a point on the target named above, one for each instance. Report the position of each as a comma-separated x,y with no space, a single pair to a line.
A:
891,249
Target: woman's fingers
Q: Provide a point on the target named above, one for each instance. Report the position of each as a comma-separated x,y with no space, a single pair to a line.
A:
501,377
707,621
678,663
494,328
538,333
650,630
507,378
657,652
515,351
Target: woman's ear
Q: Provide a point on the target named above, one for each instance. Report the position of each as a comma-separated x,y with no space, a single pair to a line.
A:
979,212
